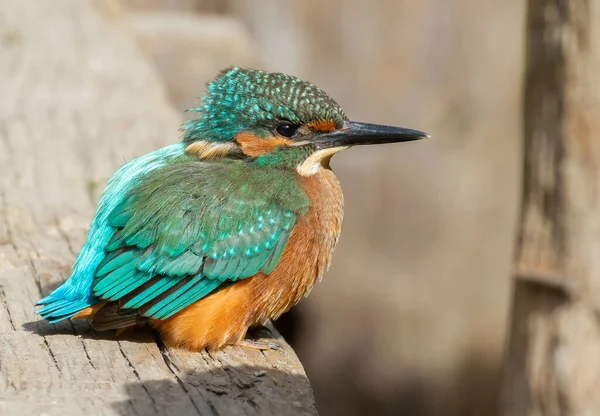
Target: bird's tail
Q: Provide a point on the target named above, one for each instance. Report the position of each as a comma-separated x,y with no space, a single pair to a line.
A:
61,304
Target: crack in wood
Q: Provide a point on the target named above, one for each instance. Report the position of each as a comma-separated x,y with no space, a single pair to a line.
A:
51,354
164,353
5,305
85,350
137,375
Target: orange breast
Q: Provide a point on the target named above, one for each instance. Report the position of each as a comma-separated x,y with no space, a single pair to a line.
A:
223,318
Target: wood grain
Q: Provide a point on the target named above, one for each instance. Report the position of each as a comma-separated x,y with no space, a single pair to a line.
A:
77,100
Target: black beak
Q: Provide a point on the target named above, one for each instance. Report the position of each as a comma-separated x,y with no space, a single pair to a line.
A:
354,133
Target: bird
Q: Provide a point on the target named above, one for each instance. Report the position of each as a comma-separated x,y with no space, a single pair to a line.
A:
225,229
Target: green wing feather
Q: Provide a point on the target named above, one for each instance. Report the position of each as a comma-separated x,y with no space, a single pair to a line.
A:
192,228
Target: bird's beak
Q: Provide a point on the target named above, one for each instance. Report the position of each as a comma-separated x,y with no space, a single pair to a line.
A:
354,133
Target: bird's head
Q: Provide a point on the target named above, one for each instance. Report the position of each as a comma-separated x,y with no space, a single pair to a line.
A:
273,119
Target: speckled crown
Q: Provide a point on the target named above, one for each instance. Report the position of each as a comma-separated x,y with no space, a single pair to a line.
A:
240,98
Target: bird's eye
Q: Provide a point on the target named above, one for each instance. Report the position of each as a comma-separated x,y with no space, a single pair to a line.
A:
286,130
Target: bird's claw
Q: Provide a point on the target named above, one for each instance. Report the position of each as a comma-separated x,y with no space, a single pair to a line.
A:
275,346
260,345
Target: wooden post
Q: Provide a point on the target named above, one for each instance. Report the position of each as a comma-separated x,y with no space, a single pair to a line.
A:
552,363
77,99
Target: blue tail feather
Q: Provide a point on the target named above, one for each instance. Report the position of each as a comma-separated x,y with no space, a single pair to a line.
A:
64,309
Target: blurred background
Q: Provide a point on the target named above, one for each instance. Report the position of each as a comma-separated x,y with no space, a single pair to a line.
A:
412,317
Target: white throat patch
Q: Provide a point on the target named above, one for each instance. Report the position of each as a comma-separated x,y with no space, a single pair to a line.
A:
318,160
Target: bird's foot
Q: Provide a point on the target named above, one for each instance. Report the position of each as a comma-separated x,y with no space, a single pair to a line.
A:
260,345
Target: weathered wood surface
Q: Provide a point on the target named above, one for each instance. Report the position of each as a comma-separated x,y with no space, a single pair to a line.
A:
76,100
553,359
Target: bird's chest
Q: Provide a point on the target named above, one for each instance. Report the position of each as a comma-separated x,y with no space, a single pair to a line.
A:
320,228
308,252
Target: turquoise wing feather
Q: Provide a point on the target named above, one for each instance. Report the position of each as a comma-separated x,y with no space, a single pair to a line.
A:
192,228
75,293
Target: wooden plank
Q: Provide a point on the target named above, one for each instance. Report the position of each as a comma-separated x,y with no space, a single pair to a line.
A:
78,99
552,363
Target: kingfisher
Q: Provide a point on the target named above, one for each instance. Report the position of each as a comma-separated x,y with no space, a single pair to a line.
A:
226,229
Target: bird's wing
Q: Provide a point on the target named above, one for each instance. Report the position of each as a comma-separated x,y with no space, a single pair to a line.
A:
191,229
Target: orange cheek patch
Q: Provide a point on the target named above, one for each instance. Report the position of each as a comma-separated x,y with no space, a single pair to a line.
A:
322,125
254,146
